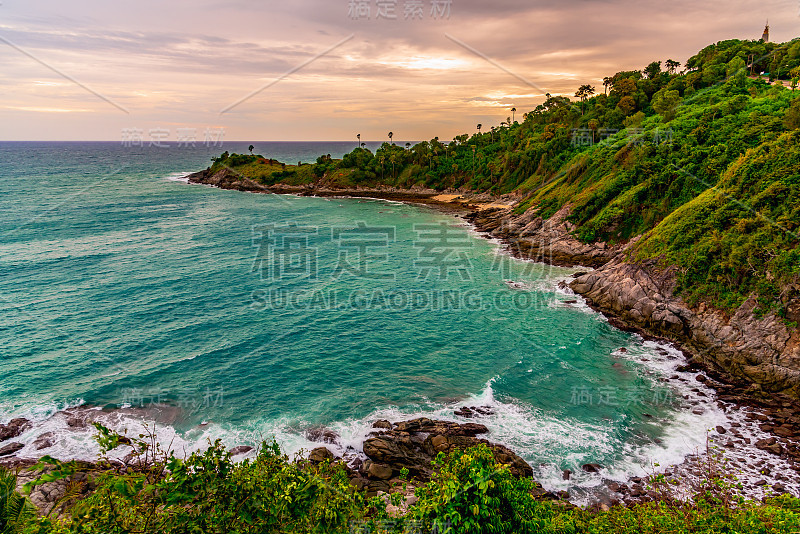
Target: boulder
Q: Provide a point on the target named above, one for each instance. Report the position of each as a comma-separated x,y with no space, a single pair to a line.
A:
44,441
413,445
379,471
10,449
320,454
383,423
14,428
769,445
592,468
241,449
321,434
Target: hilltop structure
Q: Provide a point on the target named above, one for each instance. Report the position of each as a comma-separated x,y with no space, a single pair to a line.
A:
765,36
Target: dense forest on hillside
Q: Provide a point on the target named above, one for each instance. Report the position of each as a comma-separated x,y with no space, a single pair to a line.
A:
703,161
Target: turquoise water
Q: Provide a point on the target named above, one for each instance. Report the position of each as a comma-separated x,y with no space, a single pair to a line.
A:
121,286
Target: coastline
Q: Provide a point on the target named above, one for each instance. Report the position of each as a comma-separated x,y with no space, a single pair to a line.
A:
485,216
529,237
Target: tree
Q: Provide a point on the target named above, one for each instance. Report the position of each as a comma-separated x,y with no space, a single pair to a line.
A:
359,139
653,70
584,92
607,82
250,148
672,65
479,127
736,72
513,112
791,119
625,86
627,105
795,74
665,103
391,134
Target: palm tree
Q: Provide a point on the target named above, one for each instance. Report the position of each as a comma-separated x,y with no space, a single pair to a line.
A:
391,134
479,127
584,92
359,139
607,82
513,112
382,159
250,148
393,159
408,145
493,129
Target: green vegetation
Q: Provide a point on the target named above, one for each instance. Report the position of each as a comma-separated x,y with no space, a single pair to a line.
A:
15,510
469,493
702,162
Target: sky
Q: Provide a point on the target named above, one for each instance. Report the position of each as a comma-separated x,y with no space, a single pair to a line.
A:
325,70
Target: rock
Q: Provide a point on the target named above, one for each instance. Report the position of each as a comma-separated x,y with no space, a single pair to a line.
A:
359,483
413,445
320,454
770,445
383,423
379,471
10,449
45,441
440,443
592,468
14,428
566,474
780,488
464,412
721,430
321,434
242,449
614,486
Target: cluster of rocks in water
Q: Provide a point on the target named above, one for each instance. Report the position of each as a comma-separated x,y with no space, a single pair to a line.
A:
413,445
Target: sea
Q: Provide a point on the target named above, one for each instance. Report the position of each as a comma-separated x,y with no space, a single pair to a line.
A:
204,314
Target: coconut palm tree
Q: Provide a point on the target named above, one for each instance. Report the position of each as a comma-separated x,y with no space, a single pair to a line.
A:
513,112
391,134
479,127
250,148
359,139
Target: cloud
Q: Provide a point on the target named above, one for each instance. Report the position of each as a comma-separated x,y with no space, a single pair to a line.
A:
181,61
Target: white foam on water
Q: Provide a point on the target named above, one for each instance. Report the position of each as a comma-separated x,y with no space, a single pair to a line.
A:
182,177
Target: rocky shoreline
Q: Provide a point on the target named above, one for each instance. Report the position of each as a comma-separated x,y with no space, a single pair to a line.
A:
754,362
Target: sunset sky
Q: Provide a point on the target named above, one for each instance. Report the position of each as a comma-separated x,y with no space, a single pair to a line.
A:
88,69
